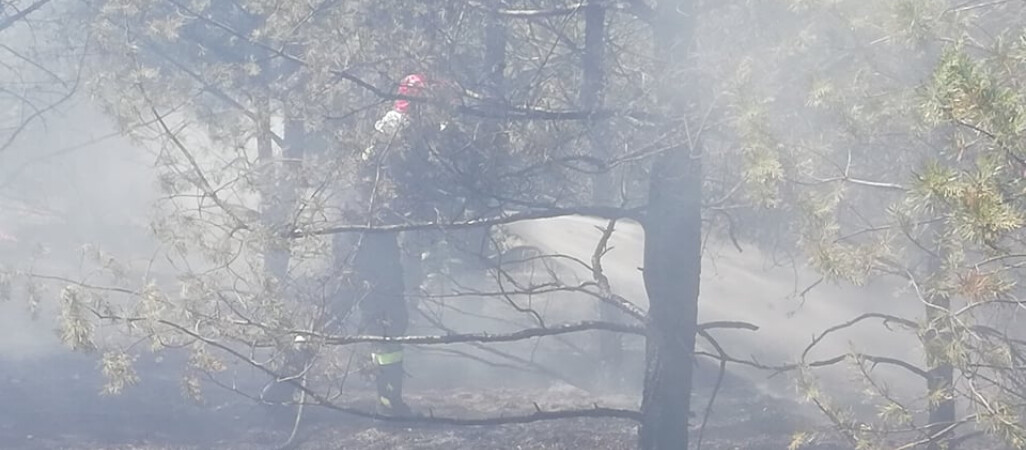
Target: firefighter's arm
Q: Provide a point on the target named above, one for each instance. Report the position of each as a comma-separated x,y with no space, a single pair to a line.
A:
391,122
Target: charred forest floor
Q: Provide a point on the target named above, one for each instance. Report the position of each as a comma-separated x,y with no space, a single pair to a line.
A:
54,404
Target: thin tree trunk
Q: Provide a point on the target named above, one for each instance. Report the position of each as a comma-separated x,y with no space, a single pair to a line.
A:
280,192
268,196
604,191
673,254
283,186
496,39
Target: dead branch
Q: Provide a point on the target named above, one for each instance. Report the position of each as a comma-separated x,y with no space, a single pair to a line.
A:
529,333
873,359
727,324
596,260
716,388
933,437
860,356
204,184
524,364
886,319
537,416
6,23
506,219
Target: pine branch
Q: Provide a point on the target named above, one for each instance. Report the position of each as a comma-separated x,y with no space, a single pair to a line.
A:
506,112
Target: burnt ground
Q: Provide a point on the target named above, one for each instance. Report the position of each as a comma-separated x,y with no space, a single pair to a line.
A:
53,404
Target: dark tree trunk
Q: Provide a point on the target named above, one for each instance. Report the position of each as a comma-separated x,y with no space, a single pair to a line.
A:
604,190
673,234
673,252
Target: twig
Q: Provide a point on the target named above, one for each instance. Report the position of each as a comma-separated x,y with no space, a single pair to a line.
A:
204,184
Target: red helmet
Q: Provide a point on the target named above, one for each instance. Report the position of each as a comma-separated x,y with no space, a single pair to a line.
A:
411,85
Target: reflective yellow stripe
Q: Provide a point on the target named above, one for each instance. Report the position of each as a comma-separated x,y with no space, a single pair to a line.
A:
385,401
384,359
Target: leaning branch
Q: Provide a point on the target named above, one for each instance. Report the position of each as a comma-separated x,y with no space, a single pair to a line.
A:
505,219
885,317
538,416
876,360
552,330
728,324
319,400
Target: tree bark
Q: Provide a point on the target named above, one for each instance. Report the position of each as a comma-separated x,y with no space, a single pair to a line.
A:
604,192
282,193
673,232
673,252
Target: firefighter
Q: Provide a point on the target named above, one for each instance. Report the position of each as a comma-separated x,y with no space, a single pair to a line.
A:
423,192
377,262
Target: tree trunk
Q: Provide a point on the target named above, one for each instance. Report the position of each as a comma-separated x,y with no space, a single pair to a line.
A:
280,191
673,234
673,251
273,266
604,192
282,187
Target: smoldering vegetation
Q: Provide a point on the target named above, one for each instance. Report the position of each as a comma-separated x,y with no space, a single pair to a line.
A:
636,224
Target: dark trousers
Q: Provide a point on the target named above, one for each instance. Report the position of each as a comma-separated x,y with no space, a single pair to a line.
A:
382,304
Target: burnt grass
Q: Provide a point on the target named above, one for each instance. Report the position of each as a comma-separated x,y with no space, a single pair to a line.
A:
54,403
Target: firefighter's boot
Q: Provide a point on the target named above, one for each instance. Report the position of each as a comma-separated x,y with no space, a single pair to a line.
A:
390,383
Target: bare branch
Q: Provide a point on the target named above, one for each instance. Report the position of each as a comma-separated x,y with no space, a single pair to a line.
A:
8,22
203,184
886,318
529,333
529,13
594,211
873,359
727,324
319,400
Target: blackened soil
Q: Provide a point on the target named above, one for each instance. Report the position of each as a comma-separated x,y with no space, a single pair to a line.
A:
54,404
